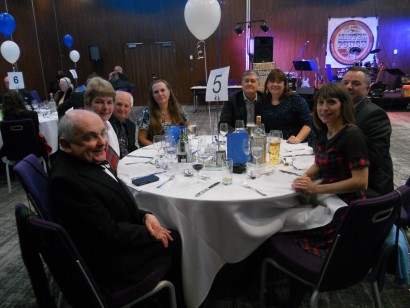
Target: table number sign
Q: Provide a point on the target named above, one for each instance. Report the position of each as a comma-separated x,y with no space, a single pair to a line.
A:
16,80
217,87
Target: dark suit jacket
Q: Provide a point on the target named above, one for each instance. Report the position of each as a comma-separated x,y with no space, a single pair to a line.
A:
103,219
76,101
131,131
235,109
376,127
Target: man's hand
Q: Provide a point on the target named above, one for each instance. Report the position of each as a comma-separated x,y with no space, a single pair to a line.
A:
156,230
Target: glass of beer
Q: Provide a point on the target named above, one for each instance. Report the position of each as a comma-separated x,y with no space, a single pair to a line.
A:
274,139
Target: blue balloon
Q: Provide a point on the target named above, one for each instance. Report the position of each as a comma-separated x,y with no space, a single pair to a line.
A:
68,40
7,24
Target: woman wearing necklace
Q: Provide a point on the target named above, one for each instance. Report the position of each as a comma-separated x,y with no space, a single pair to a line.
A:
163,112
282,110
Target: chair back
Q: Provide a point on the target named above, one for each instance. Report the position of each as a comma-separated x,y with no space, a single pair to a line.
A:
359,239
50,240
33,178
19,139
31,258
61,256
35,95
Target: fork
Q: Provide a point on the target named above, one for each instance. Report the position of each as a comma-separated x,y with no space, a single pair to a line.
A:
245,184
166,181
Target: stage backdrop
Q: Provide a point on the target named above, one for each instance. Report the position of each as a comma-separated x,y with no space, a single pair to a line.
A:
350,40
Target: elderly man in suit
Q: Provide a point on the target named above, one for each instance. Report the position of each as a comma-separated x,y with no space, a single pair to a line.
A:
123,127
376,127
241,105
120,243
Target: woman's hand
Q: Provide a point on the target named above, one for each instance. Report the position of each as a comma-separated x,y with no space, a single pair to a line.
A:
156,230
304,184
292,139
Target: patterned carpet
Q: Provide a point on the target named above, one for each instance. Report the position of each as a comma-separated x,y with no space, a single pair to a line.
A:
15,288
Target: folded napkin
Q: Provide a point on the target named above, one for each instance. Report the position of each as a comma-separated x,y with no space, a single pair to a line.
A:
303,165
289,149
291,170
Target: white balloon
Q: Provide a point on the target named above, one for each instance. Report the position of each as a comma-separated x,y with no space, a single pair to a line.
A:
74,56
202,17
10,51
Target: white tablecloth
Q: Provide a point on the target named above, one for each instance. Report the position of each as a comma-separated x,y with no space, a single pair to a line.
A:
49,129
225,224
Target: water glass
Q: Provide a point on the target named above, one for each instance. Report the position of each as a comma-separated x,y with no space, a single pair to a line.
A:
239,125
227,171
274,139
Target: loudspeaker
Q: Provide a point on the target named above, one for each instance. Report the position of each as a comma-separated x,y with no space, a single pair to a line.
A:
94,52
263,49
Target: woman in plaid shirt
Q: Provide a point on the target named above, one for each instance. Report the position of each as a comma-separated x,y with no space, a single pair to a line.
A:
341,161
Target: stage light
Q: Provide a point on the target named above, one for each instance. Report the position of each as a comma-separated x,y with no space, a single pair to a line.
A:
264,26
238,29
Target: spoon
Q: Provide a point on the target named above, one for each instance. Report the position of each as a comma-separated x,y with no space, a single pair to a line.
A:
245,184
189,173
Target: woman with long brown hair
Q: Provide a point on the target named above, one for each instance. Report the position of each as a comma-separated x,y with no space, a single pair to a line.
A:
163,112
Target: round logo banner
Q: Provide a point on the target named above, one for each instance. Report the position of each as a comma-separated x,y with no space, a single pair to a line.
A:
351,42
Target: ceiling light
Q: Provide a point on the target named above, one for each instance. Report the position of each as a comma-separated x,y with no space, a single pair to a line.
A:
264,26
238,29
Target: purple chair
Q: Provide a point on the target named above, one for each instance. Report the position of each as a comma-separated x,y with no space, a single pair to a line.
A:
39,237
33,178
356,248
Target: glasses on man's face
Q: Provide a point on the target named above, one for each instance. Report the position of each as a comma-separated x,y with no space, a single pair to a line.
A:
249,80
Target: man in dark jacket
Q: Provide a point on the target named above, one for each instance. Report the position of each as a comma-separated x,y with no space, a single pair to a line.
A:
376,127
241,105
120,243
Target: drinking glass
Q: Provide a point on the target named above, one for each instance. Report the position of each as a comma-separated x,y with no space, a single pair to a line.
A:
158,140
197,164
192,130
170,147
274,139
247,151
34,104
223,129
257,149
239,125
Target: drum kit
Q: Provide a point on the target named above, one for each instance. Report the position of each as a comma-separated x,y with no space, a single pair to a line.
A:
373,67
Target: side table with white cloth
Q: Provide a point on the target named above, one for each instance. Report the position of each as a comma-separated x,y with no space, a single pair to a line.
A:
200,90
49,129
227,223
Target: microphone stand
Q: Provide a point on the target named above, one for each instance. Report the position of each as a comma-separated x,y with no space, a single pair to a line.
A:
297,58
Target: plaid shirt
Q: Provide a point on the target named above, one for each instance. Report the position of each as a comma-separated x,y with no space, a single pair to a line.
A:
336,158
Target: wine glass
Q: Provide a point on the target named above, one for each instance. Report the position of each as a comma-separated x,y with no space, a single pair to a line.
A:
223,129
34,104
239,125
257,150
197,164
247,151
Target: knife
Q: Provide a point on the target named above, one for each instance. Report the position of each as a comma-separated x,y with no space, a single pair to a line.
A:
206,189
139,156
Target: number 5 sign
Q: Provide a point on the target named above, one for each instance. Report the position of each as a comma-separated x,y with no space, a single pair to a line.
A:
217,87
16,80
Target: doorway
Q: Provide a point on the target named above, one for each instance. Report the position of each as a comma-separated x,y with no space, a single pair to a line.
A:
148,60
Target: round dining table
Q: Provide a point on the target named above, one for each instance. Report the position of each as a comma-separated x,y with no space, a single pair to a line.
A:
225,224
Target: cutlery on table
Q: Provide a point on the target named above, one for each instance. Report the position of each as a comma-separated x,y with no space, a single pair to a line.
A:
289,172
139,156
245,184
140,162
206,189
159,172
166,181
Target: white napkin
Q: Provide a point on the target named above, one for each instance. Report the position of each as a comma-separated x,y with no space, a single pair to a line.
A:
299,164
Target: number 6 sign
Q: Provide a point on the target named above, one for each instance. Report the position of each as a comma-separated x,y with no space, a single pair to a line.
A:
217,87
16,80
